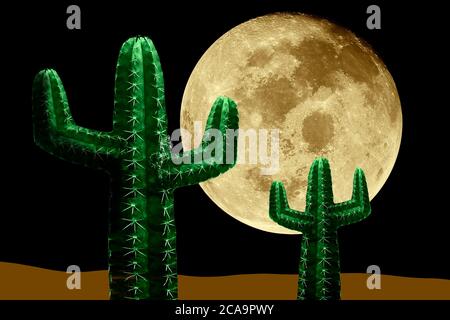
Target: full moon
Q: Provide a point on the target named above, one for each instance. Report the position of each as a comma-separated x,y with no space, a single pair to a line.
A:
323,88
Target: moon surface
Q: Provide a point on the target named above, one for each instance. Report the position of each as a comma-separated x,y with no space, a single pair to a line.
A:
326,91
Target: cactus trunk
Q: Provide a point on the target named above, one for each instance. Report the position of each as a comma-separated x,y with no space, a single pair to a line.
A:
319,270
142,253
319,267
137,154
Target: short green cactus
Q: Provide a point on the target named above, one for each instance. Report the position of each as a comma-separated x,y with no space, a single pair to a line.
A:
137,154
319,271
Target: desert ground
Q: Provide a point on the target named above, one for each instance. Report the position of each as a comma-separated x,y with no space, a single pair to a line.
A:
30,283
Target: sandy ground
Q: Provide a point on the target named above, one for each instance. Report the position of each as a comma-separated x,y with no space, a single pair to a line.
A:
25,282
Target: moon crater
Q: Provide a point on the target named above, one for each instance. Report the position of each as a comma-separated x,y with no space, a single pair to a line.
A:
318,131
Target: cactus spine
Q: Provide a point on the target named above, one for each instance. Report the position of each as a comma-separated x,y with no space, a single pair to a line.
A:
319,271
137,154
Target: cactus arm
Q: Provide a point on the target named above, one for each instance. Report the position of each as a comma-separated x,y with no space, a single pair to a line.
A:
55,130
356,209
200,163
281,213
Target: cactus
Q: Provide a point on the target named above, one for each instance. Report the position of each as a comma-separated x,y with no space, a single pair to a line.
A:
319,271
137,154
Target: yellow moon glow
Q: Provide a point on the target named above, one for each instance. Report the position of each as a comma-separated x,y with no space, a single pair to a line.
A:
327,92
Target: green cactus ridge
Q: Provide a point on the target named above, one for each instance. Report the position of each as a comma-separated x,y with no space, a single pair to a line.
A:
137,154
319,270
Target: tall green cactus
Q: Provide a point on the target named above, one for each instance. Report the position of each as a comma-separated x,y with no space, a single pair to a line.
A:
319,270
137,154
